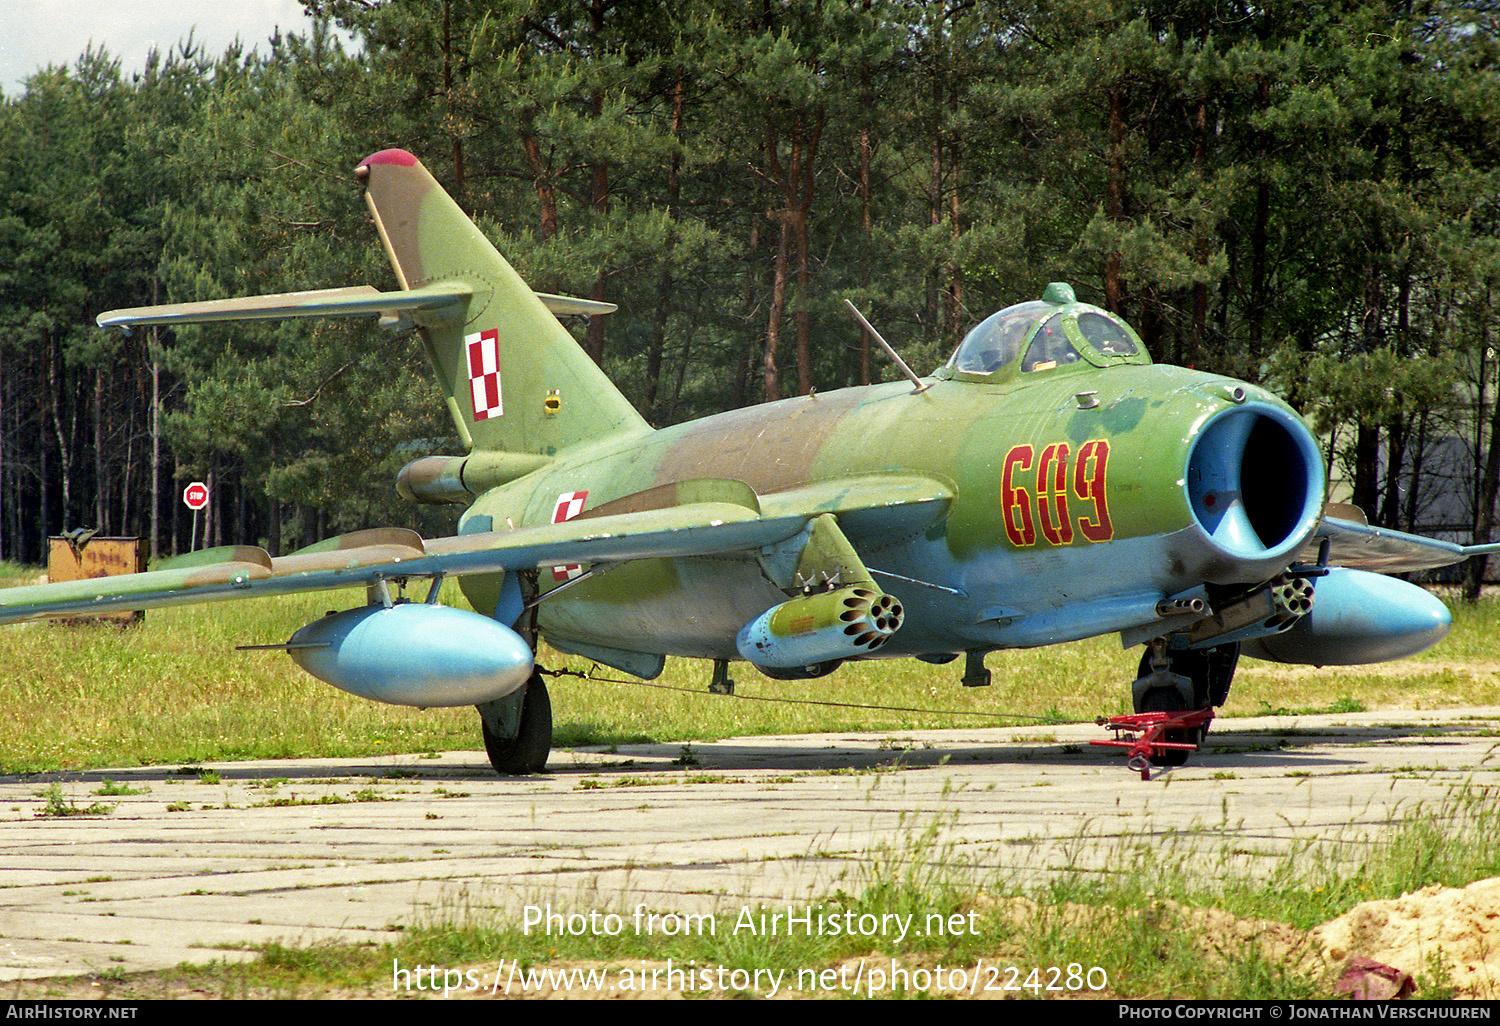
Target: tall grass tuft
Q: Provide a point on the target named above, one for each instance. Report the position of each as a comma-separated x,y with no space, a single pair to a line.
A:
1452,844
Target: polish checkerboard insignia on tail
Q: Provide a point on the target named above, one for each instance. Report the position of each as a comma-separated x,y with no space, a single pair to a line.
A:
484,373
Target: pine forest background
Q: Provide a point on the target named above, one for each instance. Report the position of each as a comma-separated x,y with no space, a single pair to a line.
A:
1305,195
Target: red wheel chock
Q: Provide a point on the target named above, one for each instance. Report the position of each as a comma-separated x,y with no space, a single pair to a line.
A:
1153,728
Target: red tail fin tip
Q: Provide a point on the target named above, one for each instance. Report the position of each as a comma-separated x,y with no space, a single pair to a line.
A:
400,157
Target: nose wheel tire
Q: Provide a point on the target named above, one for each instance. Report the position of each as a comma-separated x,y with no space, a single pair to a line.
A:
1210,672
1167,700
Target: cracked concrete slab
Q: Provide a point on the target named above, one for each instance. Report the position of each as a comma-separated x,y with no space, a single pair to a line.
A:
208,864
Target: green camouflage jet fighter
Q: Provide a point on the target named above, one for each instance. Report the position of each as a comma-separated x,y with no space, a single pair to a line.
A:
1049,483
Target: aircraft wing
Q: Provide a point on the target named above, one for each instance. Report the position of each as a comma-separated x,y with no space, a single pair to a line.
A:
362,558
1355,544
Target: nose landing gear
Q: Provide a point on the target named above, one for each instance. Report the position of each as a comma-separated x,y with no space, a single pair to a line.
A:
1174,700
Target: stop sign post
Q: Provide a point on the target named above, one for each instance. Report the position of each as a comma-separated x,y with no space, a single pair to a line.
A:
195,498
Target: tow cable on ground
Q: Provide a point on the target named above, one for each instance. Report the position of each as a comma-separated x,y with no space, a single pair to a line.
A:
1153,725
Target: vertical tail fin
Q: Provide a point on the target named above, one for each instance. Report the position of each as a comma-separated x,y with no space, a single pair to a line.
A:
514,379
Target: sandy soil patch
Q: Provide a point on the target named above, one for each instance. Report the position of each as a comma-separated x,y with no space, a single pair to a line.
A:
1428,932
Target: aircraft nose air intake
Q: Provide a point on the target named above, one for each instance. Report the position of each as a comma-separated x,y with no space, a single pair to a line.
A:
1255,481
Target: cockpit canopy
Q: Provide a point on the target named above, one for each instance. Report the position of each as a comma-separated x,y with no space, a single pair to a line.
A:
1045,334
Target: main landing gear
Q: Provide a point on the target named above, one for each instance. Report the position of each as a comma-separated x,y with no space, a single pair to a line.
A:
518,729
1181,688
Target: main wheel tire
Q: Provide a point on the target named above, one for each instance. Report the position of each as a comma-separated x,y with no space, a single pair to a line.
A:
526,752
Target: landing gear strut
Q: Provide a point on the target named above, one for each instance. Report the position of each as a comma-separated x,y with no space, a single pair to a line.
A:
1210,671
1182,687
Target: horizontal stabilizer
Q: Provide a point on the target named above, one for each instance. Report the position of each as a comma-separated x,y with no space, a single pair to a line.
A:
439,303
562,306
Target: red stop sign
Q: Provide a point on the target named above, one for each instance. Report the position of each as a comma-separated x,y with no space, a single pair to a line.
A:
195,495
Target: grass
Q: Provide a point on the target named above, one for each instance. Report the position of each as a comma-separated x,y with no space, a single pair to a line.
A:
174,690
1168,920
109,787
1164,921
1452,844
1343,704
58,804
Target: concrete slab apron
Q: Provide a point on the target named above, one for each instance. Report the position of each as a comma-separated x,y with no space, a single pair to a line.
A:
195,867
